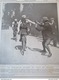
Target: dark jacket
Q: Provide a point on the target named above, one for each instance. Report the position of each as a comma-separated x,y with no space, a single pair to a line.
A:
15,26
46,30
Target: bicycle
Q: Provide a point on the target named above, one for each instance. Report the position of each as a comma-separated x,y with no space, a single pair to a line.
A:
23,44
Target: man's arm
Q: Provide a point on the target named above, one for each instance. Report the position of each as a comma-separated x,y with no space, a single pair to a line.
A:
39,26
32,22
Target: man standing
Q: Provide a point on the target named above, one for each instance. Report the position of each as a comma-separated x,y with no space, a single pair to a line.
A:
15,29
46,29
54,30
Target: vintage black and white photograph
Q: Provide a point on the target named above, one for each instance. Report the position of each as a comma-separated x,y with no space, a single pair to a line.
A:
29,33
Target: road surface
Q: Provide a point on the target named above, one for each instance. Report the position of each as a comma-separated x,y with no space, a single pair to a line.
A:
10,51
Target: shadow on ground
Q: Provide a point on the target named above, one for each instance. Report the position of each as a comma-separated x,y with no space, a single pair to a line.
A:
39,50
18,47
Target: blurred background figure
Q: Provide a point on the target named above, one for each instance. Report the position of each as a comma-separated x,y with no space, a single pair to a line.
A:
54,30
15,29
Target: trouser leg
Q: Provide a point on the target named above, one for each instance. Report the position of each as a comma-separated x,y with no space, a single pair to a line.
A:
44,49
55,42
47,47
14,34
20,37
43,44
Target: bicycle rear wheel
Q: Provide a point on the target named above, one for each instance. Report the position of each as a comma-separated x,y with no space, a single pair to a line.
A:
23,44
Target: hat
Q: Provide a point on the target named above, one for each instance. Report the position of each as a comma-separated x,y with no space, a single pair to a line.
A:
45,19
52,18
23,16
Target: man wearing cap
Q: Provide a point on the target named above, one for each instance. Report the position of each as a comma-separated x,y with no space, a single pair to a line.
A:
45,27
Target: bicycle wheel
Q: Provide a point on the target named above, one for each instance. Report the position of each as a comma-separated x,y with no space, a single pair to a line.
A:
23,44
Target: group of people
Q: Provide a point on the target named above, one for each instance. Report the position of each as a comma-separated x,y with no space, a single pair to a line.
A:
46,26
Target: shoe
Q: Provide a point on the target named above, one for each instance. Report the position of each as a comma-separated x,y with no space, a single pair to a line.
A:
50,55
43,51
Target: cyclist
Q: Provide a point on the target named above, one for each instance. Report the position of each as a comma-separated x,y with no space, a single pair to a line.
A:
23,27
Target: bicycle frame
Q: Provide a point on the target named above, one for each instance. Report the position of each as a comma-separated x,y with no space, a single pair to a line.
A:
23,43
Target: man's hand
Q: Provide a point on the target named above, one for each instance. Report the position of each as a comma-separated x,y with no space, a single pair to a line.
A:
37,22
